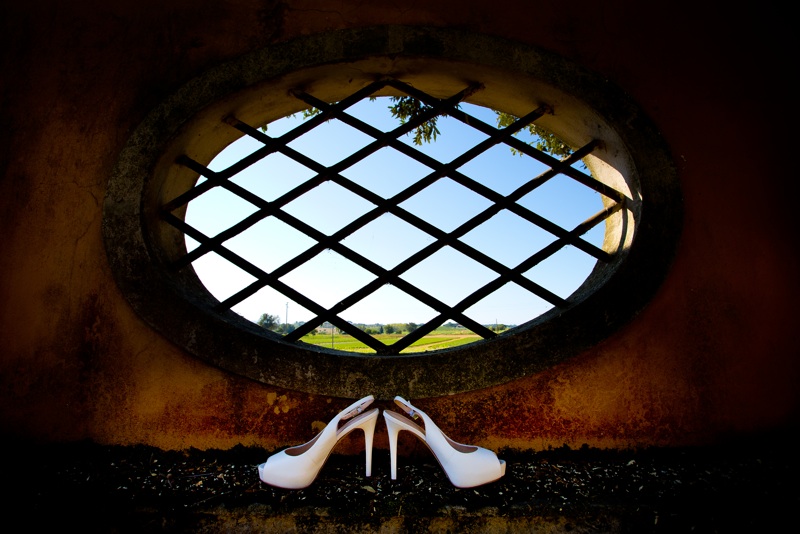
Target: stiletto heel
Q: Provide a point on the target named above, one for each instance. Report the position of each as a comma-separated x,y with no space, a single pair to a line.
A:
369,434
466,466
297,467
393,429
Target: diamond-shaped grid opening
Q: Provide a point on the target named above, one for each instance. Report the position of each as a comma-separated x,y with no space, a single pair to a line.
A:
480,113
509,306
446,335
387,241
375,112
284,125
563,201
233,153
454,138
269,243
386,172
272,302
221,277
228,209
449,276
330,142
501,170
563,272
388,305
446,204
508,238
596,235
273,176
440,341
328,278
328,207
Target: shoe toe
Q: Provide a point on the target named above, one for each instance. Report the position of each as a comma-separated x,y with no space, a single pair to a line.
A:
282,471
272,472
476,468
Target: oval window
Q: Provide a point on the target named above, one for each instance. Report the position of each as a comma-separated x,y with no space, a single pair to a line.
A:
380,217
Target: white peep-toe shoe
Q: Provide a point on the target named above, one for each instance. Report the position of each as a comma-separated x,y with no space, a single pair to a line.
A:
465,465
297,467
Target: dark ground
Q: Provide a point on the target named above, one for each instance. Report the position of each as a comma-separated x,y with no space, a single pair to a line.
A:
90,488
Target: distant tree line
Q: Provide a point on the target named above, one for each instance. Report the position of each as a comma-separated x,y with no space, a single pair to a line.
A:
392,328
273,323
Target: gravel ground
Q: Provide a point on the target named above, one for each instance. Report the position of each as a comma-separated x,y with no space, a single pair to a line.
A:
140,489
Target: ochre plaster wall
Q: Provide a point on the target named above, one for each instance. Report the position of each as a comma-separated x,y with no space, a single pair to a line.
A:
713,357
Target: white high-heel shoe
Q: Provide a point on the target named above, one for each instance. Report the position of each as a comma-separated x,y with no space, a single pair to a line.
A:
465,465
297,467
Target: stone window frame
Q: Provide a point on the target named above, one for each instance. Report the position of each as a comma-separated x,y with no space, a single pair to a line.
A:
255,88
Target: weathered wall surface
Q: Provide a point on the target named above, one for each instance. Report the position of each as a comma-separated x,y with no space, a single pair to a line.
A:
714,356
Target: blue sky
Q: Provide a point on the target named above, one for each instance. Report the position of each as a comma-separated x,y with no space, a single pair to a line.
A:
448,275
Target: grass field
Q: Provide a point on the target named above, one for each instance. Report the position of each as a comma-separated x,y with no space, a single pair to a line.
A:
434,341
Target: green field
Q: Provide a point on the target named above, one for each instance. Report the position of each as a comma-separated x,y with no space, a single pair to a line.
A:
434,341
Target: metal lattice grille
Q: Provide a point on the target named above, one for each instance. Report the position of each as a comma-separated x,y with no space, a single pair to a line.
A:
434,107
